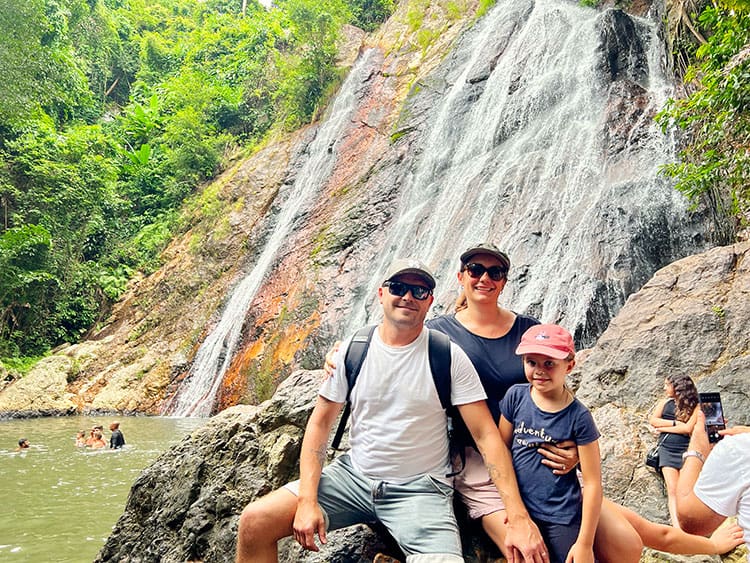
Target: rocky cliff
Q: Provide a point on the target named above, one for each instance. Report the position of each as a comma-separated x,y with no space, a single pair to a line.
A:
530,126
691,317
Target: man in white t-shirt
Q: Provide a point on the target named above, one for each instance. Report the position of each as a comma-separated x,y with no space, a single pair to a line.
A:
395,472
716,486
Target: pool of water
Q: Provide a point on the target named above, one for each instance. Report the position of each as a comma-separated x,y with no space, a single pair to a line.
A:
58,503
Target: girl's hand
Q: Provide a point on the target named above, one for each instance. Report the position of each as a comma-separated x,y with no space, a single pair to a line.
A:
562,458
580,554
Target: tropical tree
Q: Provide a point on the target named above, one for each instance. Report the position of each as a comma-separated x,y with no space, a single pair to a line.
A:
714,164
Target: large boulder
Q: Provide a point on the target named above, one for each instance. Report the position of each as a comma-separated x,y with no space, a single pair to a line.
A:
185,506
43,394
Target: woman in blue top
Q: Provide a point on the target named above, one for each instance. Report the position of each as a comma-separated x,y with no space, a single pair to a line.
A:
490,334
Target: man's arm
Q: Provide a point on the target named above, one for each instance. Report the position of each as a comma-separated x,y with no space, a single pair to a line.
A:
309,518
522,534
734,430
694,516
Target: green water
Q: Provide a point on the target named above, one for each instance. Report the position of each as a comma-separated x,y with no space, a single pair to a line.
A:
58,503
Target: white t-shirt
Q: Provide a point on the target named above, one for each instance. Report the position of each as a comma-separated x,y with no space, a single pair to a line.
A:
724,482
398,426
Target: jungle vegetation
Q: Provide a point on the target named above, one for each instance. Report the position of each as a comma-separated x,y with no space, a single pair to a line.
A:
113,112
713,119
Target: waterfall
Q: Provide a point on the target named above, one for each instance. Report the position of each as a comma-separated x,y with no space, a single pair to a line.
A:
536,133
197,392
515,154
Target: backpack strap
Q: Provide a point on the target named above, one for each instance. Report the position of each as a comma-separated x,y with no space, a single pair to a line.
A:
440,366
439,349
353,360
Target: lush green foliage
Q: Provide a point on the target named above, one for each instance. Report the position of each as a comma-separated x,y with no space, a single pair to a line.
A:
369,14
714,165
112,112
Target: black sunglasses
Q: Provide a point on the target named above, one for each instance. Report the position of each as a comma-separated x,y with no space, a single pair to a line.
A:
496,273
399,289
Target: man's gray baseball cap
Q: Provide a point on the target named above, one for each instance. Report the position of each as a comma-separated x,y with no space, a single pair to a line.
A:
410,266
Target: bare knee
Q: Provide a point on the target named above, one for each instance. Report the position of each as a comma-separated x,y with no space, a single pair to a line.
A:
264,522
251,522
616,540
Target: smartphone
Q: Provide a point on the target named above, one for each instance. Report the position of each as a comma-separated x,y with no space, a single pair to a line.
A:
711,406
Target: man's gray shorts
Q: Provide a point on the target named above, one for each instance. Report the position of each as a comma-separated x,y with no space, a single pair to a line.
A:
419,514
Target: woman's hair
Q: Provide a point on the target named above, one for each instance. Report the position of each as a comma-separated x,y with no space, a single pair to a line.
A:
685,396
461,301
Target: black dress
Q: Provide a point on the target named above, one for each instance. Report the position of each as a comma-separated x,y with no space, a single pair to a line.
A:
674,445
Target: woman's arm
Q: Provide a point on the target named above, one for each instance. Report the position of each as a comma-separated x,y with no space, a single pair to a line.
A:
682,427
655,419
673,540
562,457
591,469
330,364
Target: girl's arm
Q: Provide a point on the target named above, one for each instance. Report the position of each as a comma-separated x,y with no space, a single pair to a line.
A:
591,469
655,419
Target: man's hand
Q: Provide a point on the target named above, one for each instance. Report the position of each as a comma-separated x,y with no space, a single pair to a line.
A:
309,521
562,458
330,366
524,543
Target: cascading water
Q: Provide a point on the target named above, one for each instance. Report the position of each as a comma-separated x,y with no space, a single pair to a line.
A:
542,141
196,394
516,153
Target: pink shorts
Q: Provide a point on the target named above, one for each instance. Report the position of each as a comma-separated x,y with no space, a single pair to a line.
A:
475,488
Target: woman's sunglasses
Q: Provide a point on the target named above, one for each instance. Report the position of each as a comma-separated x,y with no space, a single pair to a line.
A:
399,289
496,273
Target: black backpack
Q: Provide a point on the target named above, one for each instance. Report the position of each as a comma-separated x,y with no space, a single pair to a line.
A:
439,352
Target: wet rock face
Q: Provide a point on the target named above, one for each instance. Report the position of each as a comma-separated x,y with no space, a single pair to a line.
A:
622,48
690,317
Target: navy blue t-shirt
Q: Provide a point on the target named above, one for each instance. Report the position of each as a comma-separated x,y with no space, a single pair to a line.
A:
549,497
494,358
